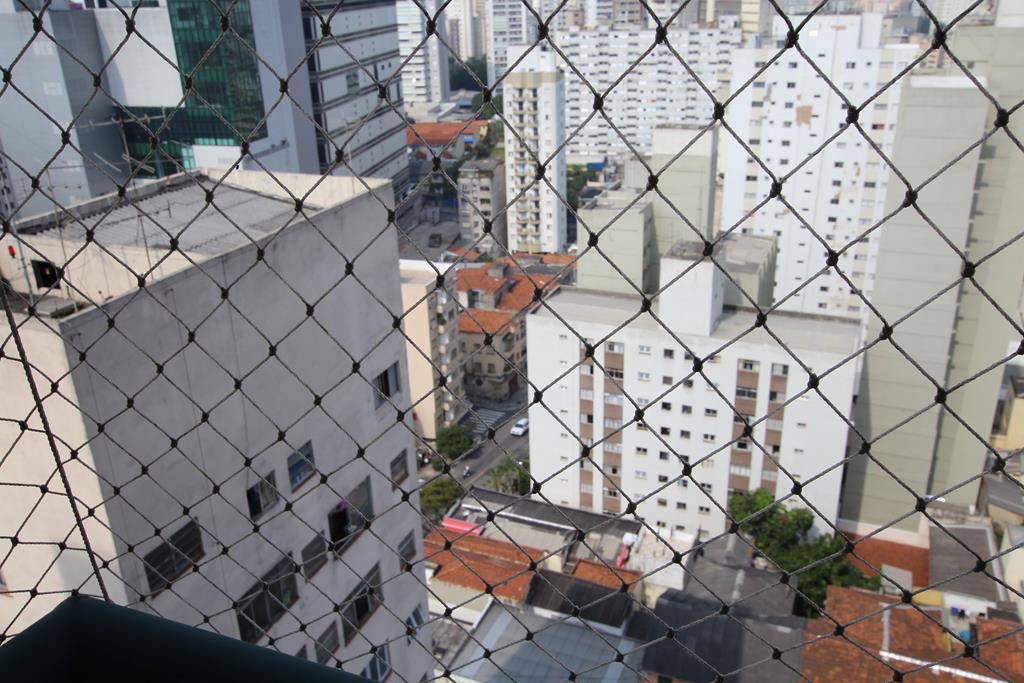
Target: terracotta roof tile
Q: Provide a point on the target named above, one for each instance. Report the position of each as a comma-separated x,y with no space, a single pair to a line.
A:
473,560
902,630
477,278
520,295
481,321
468,255
595,572
437,133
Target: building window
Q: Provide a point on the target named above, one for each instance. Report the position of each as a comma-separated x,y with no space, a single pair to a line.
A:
414,621
268,599
665,431
407,548
174,557
399,469
663,455
662,502
348,518
710,412
639,474
746,392
749,365
641,450
662,478
327,644
684,433
301,465
687,410
780,369
314,556
706,486
262,495
742,445
688,383
709,438
361,603
704,510
666,380
614,347
644,349
739,470
643,376
669,353
352,83
666,405
680,506
386,385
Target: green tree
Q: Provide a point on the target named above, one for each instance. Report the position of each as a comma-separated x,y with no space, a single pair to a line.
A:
576,177
438,495
783,535
452,442
496,104
459,77
508,476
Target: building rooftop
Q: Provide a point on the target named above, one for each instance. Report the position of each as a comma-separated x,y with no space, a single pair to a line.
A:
909,637
486,164
948,558
1005,492
557,647
483,321
707,643
439,133
734,251
563,593
246,207
473,560
548,514
724,569
797,330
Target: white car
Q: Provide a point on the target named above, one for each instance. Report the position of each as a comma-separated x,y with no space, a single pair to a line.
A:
520,428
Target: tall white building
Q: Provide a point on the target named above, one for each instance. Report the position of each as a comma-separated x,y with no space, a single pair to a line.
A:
689,449
535,108
425,75
509,24
785,116
230,462
656,92
466,21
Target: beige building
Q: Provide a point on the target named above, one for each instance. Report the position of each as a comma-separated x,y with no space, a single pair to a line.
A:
482,198
1008,433
496,370
432,349
976,205
626,257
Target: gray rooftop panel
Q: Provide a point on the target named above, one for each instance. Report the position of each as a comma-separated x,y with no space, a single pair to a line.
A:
947,559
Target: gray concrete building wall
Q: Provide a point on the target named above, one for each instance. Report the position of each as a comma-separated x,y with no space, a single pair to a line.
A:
627,243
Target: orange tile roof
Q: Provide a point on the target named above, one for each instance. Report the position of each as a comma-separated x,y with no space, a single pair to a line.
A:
477,278
911,637
520,295
484,321
473,560
878,552
468,254
595,572
549,259
437,133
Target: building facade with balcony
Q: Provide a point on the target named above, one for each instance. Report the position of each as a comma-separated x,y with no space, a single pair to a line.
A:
425,58
482,198
234,470
690,451
432,347
534,102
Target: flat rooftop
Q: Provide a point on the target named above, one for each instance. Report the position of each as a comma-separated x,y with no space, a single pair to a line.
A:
247,206
733,252
949,558
557,648
797,330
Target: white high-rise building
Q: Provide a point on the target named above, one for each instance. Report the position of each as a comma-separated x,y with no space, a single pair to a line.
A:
267,496
785,116
535,109
466,23
689,449
656,92
425,75
509,23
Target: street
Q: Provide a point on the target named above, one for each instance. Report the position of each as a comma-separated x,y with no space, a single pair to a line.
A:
486,456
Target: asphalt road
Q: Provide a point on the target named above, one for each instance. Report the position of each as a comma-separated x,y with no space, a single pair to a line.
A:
487,456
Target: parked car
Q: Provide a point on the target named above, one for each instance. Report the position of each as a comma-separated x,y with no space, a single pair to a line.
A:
520,428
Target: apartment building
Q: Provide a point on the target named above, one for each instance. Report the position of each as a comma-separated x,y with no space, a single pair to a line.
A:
509,23
432,348
467,20
482,198
688,453
959,333
231,463
535,109
785,115
425,74
655,92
